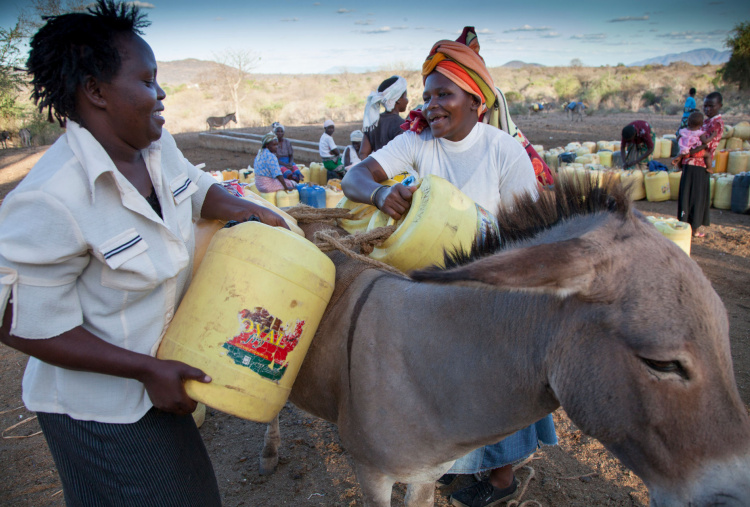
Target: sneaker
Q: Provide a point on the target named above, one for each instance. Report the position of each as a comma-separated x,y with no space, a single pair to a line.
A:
484,494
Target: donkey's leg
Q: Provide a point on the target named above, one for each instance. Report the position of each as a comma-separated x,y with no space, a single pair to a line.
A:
376,486
420,494
269,456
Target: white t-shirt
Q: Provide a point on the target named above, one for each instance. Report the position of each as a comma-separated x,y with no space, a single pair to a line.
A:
488,165
326,145
353,156
79,246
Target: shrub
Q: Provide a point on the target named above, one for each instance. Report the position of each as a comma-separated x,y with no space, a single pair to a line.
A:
513,97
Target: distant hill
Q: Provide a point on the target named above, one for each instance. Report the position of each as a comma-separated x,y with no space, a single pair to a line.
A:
518,64
694,57
186,71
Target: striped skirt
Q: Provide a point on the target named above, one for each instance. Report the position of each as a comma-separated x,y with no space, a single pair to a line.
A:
159,460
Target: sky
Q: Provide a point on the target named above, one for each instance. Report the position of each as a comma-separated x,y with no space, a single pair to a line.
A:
304,36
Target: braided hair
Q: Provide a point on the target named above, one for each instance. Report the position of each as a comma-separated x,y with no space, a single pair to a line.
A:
70,48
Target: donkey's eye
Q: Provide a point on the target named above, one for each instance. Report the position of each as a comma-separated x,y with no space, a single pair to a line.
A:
666,366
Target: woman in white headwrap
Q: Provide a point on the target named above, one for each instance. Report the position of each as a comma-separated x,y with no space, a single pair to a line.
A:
350,152
380,128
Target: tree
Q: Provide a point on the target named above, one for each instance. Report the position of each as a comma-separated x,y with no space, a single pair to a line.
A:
11,77
737,69
235,68
576,62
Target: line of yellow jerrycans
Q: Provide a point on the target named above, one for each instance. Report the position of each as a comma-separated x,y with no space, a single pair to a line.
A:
258,293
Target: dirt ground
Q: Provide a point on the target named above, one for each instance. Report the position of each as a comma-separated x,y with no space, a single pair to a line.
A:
314,469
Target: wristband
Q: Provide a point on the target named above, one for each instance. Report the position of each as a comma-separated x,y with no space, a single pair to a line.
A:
375,193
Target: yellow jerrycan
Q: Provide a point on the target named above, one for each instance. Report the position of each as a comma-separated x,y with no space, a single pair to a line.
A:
362,212
720,161
634,178
268,196
674,185
605,158
333,197
723,192
738,162
441,217
679,232
657,186
248,317
287,198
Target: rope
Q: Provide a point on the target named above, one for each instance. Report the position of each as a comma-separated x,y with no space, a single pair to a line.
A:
17,425
330,240
524,486
305,214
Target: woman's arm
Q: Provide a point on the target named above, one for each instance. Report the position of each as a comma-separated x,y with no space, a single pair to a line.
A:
221,205
365,149
347,157
81,350
362,182
282,180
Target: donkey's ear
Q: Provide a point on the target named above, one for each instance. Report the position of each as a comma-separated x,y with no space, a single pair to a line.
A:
563,268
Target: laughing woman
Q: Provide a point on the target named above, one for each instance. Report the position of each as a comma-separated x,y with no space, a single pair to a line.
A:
449,138
96,247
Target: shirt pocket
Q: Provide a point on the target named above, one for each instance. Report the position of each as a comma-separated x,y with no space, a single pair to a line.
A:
182,188
127,265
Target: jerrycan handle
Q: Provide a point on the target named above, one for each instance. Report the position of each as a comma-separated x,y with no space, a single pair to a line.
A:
232,223
358,209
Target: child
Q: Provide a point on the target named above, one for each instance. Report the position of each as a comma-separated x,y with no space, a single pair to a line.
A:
691,137
351,152
330,153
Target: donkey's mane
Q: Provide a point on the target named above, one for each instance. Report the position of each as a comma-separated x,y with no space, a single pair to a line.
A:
528,217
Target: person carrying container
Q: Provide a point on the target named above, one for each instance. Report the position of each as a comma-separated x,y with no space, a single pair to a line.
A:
96,249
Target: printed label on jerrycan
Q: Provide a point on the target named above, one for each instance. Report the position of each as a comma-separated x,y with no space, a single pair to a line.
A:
485,222
263,344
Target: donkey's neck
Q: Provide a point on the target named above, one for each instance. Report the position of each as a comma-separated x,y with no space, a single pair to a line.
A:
480,354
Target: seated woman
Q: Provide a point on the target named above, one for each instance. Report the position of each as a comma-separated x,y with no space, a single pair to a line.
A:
379,127
449,138
351,156
268,176
285,154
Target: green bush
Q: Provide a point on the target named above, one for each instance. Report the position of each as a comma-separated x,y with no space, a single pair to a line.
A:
513,97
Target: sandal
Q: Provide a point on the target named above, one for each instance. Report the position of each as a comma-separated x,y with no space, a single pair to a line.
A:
699,235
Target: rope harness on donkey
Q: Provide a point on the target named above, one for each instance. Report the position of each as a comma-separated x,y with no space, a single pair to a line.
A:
329,240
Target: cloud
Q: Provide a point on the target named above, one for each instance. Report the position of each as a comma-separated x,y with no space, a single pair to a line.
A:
485,31
589,36
550,35
344,11
290,20
628,18
528,28
382,29
141,5
691,36
363,22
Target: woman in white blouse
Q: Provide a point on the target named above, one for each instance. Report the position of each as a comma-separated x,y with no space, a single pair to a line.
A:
96,248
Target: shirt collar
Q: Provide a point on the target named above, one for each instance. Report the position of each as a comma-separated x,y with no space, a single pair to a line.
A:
94,160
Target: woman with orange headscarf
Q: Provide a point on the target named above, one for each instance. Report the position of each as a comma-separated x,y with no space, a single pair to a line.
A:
463,134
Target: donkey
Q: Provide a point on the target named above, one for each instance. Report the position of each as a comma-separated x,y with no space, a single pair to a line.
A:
580,303
5,136
575,110
24,135
220,121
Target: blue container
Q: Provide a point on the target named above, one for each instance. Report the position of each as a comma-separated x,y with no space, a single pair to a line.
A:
568,157
312,195
741,193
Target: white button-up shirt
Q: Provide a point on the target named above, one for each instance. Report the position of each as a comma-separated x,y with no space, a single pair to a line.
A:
79,246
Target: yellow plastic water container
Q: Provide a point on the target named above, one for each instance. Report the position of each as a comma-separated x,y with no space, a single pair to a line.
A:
538,148
318,173
679,232
305,171
269,196
584,159
737,162
287,199
248,317
230,174
720,161
742,130
583,151
247,175
333,197
217,175
362,212
605,158
666,148
199,415
550,157
635,179
603,146
440,217
674,184
727,132
722,144
657,186
334,184
712,190
734,143
291,222
591,146
572,146
723,192
252,188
